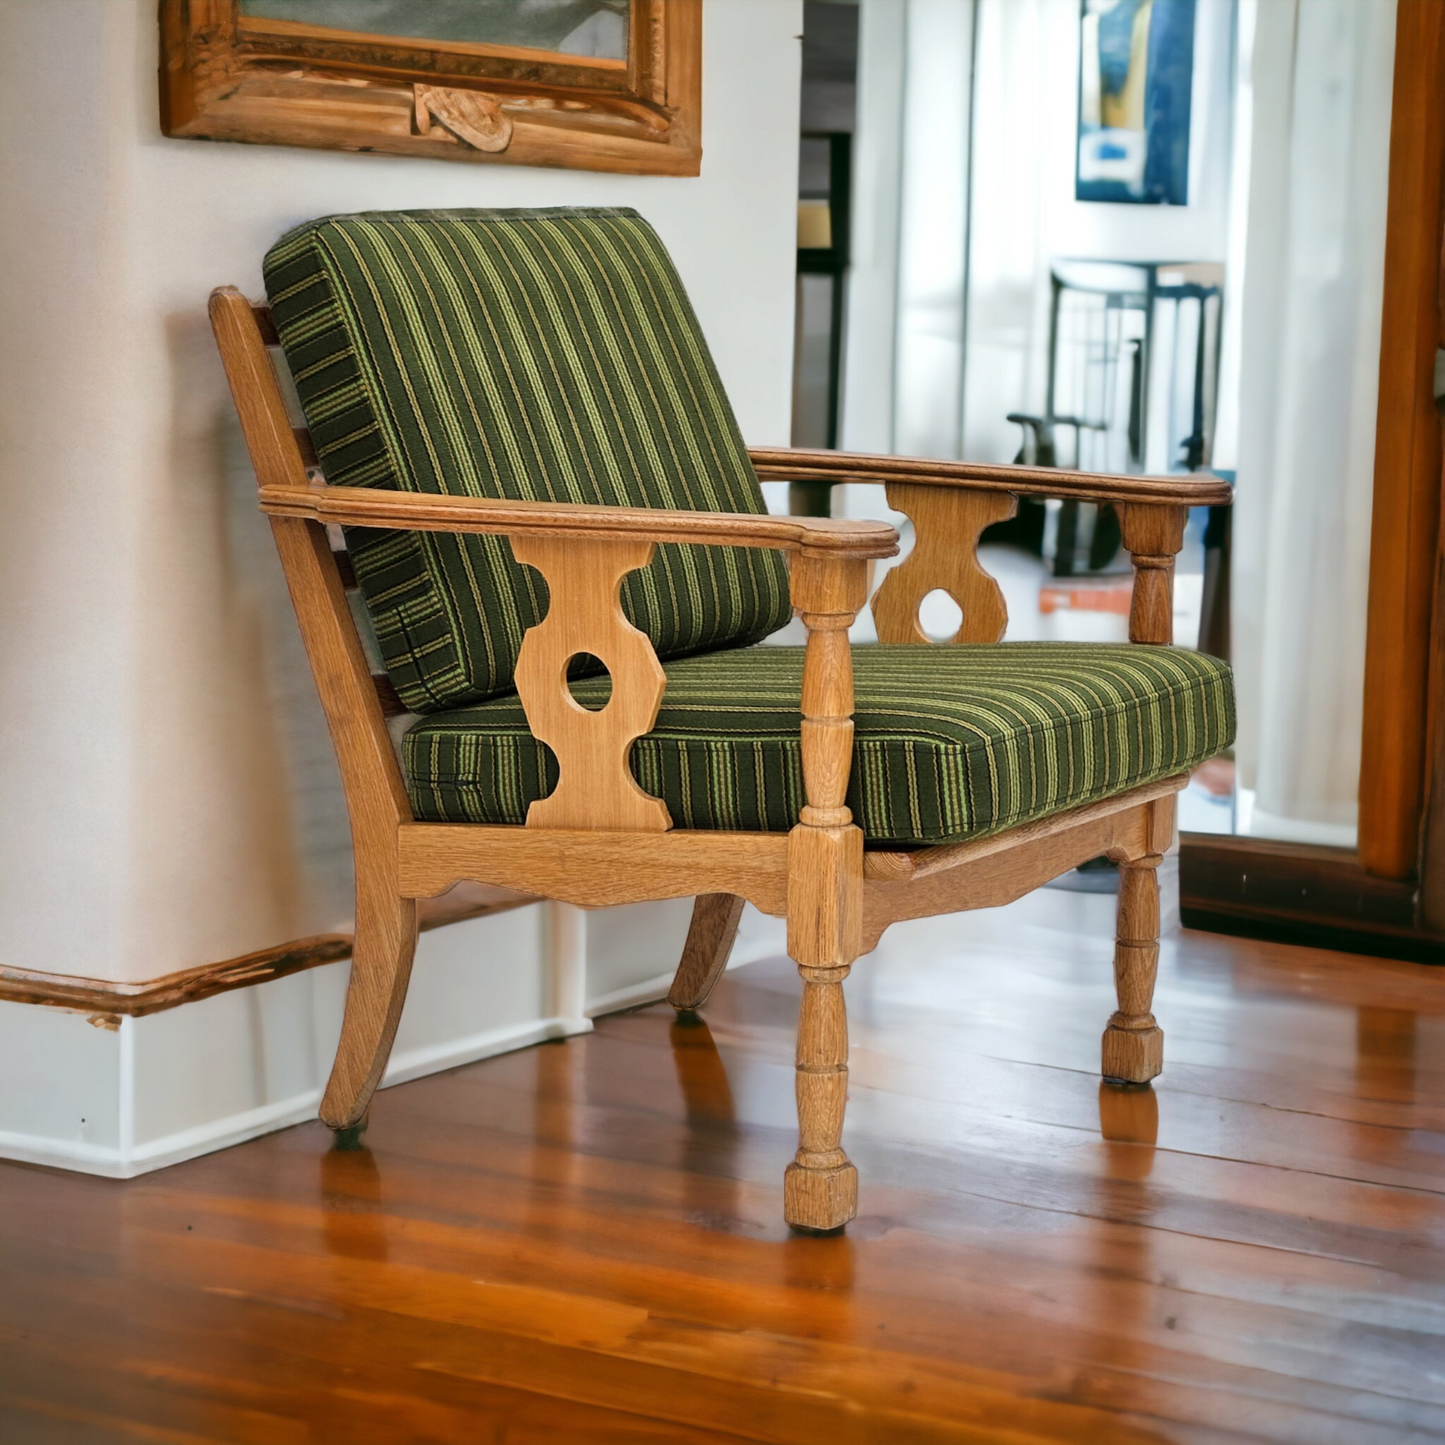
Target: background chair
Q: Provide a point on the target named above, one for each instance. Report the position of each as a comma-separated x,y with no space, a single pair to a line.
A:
561,544
1132,370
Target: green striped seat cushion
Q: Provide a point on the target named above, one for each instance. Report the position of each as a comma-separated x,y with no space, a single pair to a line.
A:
949,742
545,355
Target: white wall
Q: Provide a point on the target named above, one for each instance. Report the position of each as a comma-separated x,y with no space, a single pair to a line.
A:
168,794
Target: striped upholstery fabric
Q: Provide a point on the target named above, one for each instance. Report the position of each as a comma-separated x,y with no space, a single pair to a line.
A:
950,742
546,355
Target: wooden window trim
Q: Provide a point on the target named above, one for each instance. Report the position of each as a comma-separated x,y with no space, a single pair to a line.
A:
1404,541
271,82
1368,900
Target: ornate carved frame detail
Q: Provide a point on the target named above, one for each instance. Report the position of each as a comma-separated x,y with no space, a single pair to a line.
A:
229,76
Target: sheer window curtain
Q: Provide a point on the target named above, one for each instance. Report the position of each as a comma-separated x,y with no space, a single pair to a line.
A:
904,349
1307,257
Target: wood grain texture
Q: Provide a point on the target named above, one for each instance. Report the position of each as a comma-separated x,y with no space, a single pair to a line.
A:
1301,893
710,937
825,892
992,878
381,962
595,787
797,464
1431,906
242,337
136,1000
470,115
424,512
239,77
887,867
1133,1047
946,528
595,869
376,799
1406,515
377,804
580,1241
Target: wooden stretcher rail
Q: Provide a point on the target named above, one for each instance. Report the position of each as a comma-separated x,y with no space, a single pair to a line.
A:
885,867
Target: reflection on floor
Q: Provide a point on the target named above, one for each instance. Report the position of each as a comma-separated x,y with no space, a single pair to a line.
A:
582,1241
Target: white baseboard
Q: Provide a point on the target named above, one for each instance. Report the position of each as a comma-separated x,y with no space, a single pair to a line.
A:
116,1162
418,1063
759,936
174,1085
633,996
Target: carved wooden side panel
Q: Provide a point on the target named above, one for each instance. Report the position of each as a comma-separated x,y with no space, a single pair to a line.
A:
595,787
947,522
471,116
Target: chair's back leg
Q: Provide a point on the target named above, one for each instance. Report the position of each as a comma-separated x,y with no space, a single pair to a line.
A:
375,791
1134,1042
715,918
380,970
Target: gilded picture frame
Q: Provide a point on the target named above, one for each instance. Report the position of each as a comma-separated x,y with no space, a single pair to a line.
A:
237,70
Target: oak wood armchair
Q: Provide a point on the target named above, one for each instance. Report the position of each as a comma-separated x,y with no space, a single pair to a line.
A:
476,384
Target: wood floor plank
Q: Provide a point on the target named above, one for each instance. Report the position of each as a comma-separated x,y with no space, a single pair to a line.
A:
582,1241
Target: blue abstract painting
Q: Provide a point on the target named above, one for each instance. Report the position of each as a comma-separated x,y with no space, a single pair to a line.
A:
1136,75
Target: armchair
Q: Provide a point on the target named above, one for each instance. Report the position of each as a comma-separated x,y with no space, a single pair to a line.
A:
502,397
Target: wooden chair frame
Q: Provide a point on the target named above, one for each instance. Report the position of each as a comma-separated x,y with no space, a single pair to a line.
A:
598,840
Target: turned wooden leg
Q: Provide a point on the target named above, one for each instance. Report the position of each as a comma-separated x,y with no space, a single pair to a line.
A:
825,895
820,1187
380,969
1133,1042
715,918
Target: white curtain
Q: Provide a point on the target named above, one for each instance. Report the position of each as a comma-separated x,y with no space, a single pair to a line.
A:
904,361
1307,262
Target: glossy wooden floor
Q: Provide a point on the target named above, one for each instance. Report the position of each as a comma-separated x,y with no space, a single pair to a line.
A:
583,1241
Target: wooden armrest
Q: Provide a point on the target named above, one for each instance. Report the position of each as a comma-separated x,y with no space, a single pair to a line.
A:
793,464
425,512
584,552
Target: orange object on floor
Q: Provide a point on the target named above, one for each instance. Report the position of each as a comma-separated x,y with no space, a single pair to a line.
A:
1109,594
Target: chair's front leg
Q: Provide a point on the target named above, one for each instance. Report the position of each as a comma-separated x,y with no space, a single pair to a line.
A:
1133,1041
825,895
820,1187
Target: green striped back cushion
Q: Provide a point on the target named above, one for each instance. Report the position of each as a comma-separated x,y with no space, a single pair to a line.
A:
547,355
949,742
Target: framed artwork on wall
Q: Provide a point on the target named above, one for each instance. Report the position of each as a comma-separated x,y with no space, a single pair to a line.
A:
1136,77
605,85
